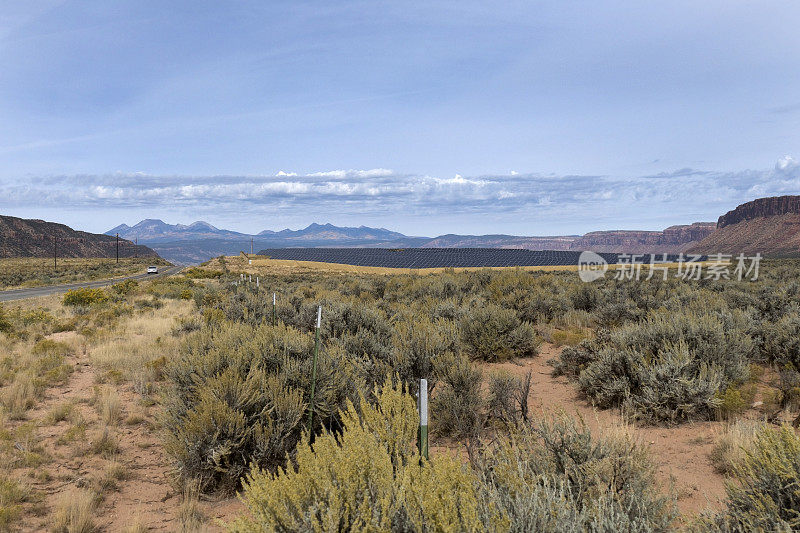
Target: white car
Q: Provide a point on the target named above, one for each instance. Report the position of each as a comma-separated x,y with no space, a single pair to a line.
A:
152,270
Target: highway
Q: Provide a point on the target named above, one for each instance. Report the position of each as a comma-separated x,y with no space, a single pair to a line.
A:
35,292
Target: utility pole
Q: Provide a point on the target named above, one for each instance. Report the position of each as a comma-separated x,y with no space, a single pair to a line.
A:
251,246
117,247
55,252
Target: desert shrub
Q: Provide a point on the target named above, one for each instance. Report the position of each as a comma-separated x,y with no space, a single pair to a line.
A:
670,387
234,424
417,344
669,368
556,476
734,400
458,405
369,478
491,333
126,287
5,323
238,395
781,341
717,337
170,287
84,297
508,396
765,496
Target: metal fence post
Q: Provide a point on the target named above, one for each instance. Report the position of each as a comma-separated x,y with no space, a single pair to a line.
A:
422,404
314,377
274,311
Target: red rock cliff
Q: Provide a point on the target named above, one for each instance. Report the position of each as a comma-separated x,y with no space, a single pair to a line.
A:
762,207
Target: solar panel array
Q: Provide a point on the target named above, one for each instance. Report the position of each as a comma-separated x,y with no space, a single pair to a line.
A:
441,257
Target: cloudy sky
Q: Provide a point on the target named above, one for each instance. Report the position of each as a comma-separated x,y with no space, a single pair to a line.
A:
531,117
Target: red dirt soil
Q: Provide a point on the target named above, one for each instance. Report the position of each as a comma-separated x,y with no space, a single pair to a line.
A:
681,453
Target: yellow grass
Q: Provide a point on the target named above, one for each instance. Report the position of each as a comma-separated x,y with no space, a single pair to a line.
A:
140,340
75,513
109,406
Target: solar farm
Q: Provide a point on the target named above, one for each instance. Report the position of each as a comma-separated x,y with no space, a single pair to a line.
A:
443,257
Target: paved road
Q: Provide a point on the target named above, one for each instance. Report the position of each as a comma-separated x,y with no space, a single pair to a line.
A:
34,292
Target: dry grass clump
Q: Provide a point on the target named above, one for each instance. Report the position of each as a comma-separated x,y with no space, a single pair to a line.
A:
731,446
108,405
108,480
765,495
190,517
20,395
140,341
31,372
136,526
105,444
74,513
59,413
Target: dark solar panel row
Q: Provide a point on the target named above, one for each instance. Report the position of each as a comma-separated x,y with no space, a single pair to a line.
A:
442,257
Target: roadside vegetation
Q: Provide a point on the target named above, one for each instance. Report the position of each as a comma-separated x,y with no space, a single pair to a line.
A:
224,380
39,271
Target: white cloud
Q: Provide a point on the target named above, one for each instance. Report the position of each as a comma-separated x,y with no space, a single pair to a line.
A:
384,193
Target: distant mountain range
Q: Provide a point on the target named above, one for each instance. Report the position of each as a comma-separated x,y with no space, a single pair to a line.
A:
154,230
200,241
20,237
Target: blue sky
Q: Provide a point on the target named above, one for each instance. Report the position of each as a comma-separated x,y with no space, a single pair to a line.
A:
424,117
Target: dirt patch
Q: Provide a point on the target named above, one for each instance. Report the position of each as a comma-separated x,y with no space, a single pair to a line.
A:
681,453
145,493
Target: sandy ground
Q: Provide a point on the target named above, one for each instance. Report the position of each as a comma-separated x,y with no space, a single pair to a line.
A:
681,453
148,497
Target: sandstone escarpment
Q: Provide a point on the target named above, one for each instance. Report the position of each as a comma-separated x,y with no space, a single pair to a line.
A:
674,239
761,207
769,226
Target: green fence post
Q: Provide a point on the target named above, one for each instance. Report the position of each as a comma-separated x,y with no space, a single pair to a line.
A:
314,377
422,403
274,311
